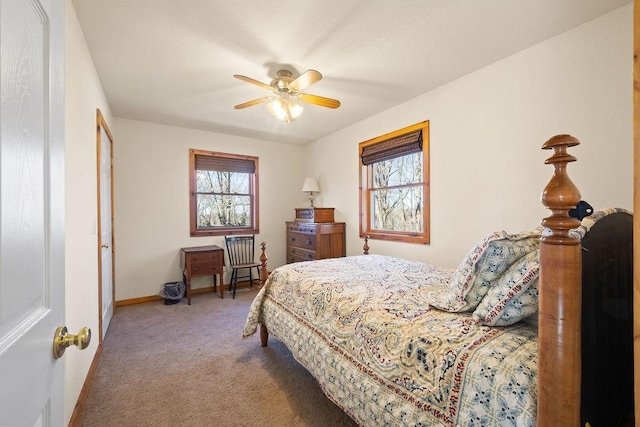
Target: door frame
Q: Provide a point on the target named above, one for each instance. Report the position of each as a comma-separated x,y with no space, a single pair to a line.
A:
636,206
101,124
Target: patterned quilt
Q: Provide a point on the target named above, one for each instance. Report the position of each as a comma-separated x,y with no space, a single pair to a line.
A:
364,327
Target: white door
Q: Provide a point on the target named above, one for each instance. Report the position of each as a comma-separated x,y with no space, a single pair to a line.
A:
106,224
31,211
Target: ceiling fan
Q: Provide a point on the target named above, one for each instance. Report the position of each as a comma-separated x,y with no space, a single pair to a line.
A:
286,90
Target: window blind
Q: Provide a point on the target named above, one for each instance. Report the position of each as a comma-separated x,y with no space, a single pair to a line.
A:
397,146
224,164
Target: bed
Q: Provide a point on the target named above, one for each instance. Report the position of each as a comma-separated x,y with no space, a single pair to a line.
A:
532,328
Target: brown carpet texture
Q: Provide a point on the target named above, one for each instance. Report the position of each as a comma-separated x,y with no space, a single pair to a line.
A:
186,365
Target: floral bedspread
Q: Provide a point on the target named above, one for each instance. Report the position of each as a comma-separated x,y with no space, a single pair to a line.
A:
364,328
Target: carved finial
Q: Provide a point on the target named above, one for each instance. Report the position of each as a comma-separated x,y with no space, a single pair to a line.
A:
560,195
365,248
264,272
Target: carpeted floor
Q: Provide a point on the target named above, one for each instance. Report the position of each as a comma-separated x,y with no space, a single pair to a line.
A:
181,365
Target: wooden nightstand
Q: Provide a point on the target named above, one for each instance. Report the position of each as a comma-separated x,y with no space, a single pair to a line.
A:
202,261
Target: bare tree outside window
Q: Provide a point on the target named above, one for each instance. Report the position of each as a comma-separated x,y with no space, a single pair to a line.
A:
397,194
224,199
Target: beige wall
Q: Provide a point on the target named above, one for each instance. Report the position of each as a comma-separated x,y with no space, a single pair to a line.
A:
151,181
487,170
83,94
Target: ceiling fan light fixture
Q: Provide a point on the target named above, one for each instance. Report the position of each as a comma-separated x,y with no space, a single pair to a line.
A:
284,110
287,93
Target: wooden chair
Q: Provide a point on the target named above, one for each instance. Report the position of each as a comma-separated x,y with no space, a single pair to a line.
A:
241,253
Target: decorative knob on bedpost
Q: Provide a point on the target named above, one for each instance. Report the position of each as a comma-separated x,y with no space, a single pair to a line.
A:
560,195
560,301
365,247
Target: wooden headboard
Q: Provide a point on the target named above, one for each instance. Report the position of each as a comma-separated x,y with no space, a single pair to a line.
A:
607,322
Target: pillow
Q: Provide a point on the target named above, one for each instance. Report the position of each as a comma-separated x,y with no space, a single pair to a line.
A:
515,295
484,264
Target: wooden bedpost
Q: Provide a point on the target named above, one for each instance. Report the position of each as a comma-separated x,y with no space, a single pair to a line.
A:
560,290
365,247
264,272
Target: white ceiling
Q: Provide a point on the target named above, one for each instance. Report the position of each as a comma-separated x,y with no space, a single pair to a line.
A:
172,61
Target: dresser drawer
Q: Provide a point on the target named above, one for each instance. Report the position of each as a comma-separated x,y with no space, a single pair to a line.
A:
300,254
291,259
301,240
203,257
204,268
302,228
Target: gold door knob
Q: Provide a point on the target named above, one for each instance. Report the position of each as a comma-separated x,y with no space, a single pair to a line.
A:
62,340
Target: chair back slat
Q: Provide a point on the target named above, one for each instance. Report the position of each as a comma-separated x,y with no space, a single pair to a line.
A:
240,249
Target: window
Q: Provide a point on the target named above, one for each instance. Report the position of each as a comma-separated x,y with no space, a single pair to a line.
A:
394,185
223,192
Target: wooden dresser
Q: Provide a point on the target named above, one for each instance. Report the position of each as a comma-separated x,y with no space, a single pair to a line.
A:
314,235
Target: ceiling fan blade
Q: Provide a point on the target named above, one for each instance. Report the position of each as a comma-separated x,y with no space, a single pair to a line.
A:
250,103
305,80
319,100
253,81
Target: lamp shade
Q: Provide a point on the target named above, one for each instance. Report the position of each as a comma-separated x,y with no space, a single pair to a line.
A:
310,186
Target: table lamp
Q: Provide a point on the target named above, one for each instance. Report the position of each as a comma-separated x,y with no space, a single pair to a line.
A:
310,186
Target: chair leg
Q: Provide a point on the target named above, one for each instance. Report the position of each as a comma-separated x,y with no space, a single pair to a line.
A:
258,278
235,285
234,278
